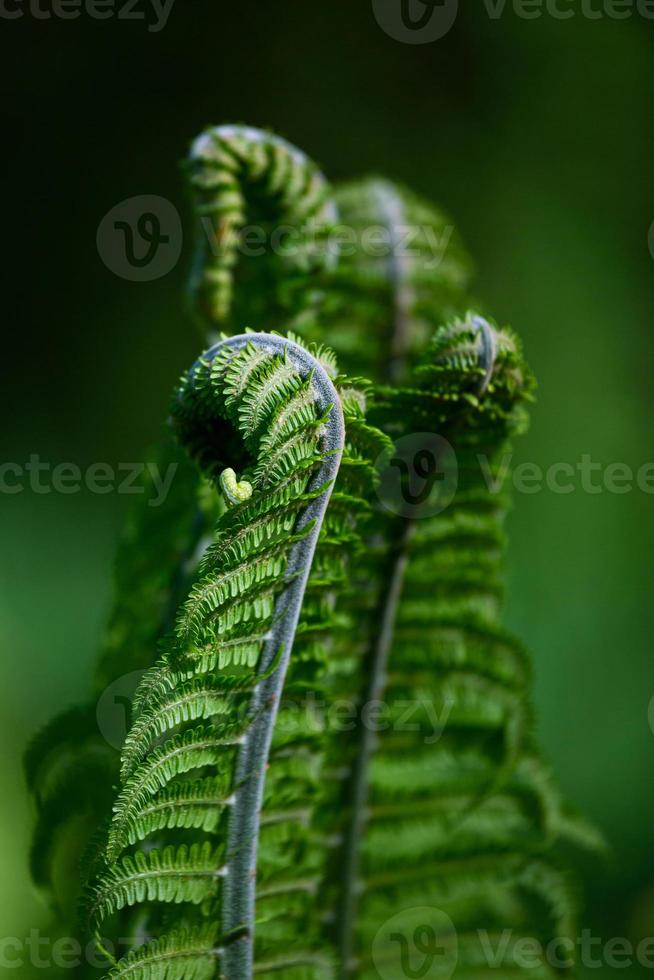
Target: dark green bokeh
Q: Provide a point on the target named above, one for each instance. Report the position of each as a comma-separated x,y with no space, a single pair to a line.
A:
536,135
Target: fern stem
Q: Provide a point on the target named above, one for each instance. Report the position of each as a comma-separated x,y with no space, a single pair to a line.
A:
244,819
378,673
393,214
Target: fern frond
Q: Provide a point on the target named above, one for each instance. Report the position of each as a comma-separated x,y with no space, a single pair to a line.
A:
245,602
241,175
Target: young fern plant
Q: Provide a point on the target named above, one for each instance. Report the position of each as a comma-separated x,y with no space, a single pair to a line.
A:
228,655
250,833
70,766
241,614
426,820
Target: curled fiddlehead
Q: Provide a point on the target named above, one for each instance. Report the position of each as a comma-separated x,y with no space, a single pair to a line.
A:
262,210
241,613
242,835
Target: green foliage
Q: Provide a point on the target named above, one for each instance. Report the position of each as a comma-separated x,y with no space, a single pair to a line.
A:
187,954
241,179
251,832
175,875
465,821
406,273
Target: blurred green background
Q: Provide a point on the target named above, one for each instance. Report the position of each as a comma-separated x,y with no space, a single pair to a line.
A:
537,137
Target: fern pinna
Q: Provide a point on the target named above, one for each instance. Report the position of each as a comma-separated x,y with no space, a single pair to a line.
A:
305,565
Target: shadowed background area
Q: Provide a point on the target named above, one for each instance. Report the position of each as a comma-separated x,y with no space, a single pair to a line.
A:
536,136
